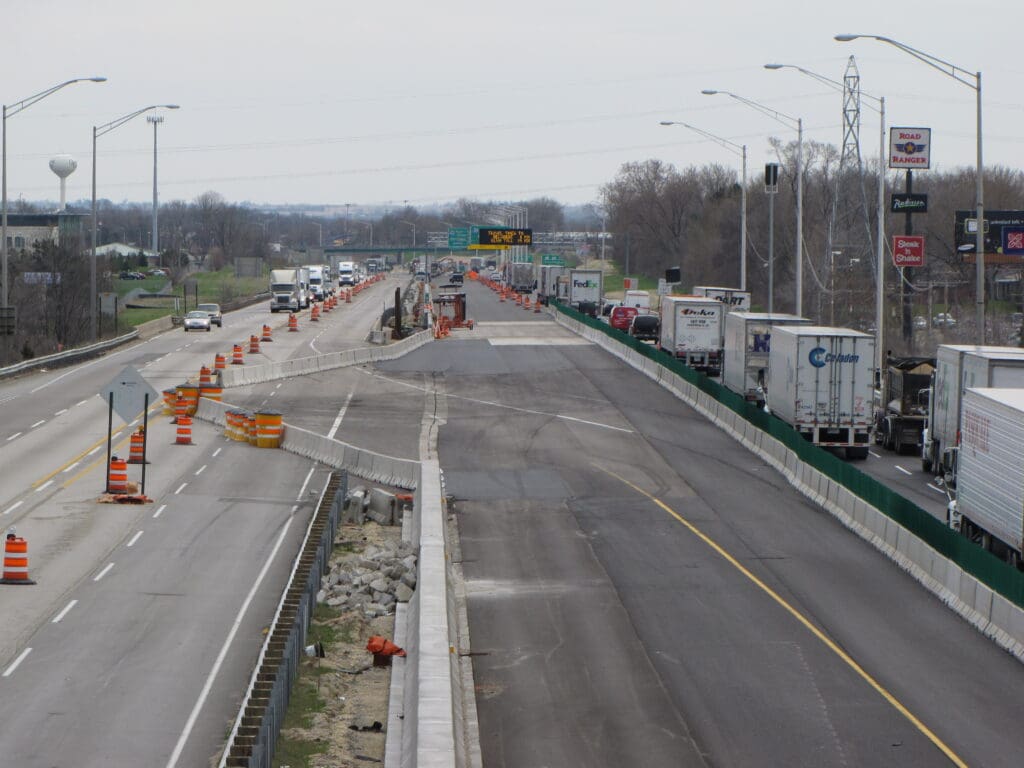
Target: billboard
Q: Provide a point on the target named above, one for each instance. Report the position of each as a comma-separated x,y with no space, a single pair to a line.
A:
1001,229
910,148
908,250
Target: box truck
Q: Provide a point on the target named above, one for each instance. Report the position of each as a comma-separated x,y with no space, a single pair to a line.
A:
285,292
820,382
734,299
553,283
641,300
691,330
747,343
957,367
989,504
585,287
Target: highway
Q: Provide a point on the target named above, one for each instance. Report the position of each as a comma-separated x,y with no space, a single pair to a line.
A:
644,591
136,644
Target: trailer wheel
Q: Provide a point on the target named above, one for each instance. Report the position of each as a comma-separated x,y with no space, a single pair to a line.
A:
926,465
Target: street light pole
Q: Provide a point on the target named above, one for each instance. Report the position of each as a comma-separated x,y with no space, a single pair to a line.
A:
155,120
733,147
413,225
798,123
10,111
963,77
98,131
880,235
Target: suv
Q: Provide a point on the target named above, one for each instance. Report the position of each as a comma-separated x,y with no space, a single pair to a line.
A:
213,310
645,327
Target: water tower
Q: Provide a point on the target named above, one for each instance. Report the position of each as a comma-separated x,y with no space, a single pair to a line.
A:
63,166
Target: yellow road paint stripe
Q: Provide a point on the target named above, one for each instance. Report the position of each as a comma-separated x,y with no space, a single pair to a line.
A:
846,658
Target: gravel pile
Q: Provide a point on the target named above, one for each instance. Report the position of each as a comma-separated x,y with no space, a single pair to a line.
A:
371,581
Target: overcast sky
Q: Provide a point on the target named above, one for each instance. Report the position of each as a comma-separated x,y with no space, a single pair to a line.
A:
334,102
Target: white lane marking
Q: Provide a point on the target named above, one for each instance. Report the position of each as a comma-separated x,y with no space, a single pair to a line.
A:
302,490
37,424
341,415
81,402
13,507
936,488
499,405
162,508
61,412
104,572
180,488
62,614
272,394
21,657
179,349
904,471
201,469
72,466
90,453
16,434
216,452
874,454
278,386
207,687
44,486
134,539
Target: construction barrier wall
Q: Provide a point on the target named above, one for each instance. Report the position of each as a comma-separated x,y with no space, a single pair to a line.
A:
982,588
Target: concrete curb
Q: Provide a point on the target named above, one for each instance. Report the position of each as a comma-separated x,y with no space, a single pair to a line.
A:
993,615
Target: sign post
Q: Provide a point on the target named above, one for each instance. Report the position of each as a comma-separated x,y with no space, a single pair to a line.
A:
128,394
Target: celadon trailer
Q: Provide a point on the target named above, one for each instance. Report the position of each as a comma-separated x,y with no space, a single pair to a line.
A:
820,382
747,344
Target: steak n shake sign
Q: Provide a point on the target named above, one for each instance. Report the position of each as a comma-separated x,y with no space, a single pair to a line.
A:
910,148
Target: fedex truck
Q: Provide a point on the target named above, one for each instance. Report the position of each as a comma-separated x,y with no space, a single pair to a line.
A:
585,287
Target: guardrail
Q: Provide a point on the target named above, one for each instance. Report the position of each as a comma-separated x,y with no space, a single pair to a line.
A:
984,590
67,356
301,366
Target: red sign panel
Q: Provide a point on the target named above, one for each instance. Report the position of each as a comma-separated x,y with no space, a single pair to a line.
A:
908,250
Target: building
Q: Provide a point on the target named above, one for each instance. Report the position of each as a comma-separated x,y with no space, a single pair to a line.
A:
24,230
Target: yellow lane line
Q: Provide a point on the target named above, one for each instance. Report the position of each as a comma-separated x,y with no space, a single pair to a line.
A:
846,658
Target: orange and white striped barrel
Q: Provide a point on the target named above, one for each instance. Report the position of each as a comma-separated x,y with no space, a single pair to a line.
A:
267,334
170,398
241,433
348,296
220,362
314,313
211,392
236,355
204,375
180,407
250,428
229,422
190,394
254,345
16,561
137,447
184,434
269,429
117,476
293,322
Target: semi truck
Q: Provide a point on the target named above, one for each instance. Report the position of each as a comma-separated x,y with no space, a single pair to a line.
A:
903,411
305,293
747,343
520,277
820,382
958,367
553,283
346,273
319,281
285,291
989,503
734,299
691,331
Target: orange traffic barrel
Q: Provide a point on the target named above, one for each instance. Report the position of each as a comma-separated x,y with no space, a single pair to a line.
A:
117,476
212,392
254,345
293,322
15,560
314,313
219,362
269,429
170,398
266,334
231,419
184,435
137,447
236,355
204,375
328,304
348,296
526,303
190,394
250,428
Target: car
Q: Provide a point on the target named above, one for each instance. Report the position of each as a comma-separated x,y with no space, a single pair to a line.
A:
645,327
920,322
132,276
197,320
158,273
213,310
943,320
456,278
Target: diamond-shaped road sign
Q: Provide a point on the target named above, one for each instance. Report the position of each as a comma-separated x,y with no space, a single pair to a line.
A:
129,390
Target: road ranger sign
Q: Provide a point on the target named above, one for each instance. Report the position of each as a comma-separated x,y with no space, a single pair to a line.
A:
910,148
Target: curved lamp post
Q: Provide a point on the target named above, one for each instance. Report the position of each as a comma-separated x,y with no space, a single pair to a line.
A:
798,124
98,131
741,150
971,80
10,111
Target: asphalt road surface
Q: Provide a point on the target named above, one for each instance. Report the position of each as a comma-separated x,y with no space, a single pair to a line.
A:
644,591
